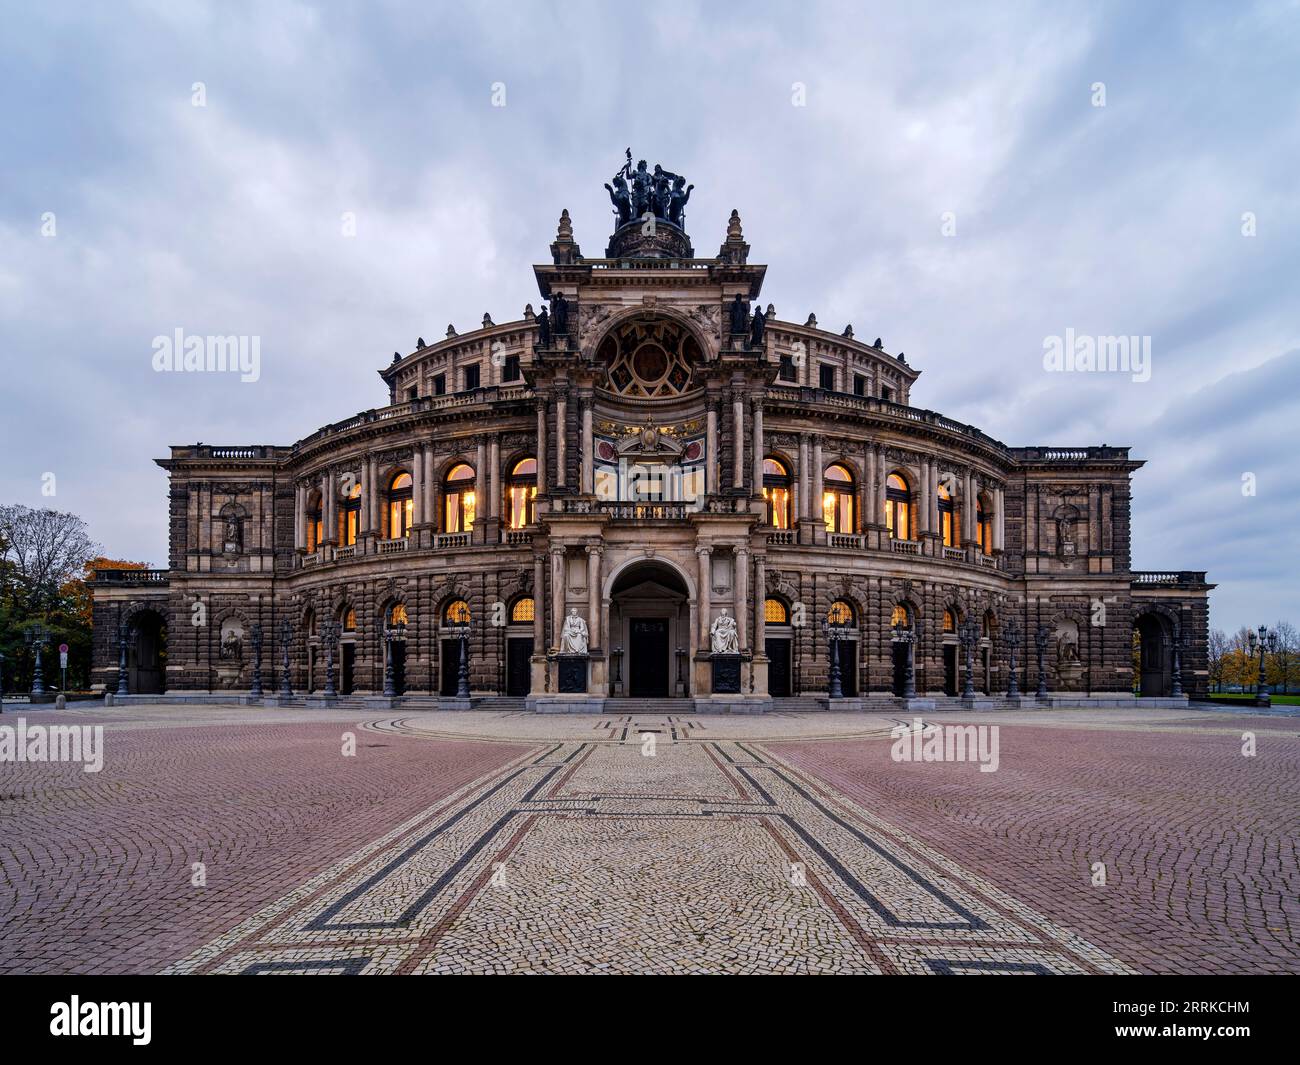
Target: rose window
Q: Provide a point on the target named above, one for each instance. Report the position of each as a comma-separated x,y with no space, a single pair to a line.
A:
649,358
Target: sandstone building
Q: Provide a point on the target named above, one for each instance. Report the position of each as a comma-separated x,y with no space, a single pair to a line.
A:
647,454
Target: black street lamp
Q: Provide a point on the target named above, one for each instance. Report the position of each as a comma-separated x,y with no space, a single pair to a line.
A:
122,687
1263,641
1011,637
908,637
1041,636
834,631
329,637
286,638
255,637
1177,690
391,633
967,637
462,673
2,684
36,637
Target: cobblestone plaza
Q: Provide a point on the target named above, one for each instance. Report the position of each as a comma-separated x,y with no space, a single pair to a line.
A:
234,840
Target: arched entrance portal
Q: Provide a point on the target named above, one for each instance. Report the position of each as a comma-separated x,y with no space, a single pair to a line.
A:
146,654
650,628
1153,655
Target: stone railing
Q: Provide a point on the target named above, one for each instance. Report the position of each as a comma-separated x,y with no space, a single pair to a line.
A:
850,540
342,554
954,554
781,538
252,451
1069,454
131,576
392,547
905,547
451,540
1169,578
311,560
648,511
989,560
517,537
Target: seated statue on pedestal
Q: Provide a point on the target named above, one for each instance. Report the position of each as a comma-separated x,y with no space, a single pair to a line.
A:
724,638
573,637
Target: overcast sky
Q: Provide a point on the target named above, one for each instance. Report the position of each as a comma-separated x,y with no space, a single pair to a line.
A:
1123,219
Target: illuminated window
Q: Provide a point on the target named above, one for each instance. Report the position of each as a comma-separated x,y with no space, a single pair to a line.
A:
397,615
401,506
458,500
457,613
947,518
898,507
350,515
840,613
949,621
901,616
522,610
349,620
776,490
983,527
775,613
315,527
521,491
837,500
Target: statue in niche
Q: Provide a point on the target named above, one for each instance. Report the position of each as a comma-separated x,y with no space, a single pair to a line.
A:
738,316
573,637
723,637
544,330
756,328
232,539
1066,546
559,315
232,643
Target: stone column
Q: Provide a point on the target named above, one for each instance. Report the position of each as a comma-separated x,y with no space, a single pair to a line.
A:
818,482
868,487
738,439
740,585
593,596
370,495
588,459
561,438
494,474
924,502
430,497
968,510
329,507
805,483
758,447
299,518
999,520
539,604
558,578
711,468
704,578
417,486
878,489
541,446
760,602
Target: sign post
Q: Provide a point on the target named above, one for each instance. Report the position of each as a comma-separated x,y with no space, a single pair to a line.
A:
63,665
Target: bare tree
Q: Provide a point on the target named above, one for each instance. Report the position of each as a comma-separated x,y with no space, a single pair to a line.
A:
1218,651
41,550
1287,659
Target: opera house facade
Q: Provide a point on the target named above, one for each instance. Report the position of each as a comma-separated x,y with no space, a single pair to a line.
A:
651,488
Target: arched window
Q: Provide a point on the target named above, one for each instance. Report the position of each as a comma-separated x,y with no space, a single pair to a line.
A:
989,622
350,515
309,622
522,612
898,507
949,621
458,499
349,619
397,615
900,615
983,526
948,520
315,529
457,613
521,491
776,490
837,500
401,506
775,612
840,613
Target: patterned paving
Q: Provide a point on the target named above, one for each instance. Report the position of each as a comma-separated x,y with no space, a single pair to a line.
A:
707,856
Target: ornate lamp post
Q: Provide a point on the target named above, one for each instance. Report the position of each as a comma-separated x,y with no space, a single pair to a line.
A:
36,637
255,637
460,633
2,684
967,637
908,637
1177,690
329,637
122,687
834,630
1011,637
286,638
391,633
1041,636
1263,641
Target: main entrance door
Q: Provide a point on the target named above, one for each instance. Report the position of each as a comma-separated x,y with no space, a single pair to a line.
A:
519,653
778,670
648,666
